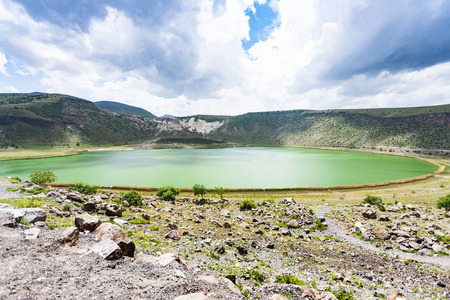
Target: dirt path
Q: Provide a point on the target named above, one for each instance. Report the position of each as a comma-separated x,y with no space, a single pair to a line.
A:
4,194
342,234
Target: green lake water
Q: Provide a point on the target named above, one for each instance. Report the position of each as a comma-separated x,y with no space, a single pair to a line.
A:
252,167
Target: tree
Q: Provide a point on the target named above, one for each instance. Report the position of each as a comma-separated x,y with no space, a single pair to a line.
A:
168,193
42,177
444,202
219,191
199,189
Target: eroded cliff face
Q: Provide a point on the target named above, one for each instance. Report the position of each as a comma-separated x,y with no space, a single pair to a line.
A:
177,125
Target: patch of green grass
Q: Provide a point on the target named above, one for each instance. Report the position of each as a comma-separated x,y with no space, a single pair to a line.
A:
66,207
256,275
23,222
343,294
444,239
289,279
140,221
22,203
318,226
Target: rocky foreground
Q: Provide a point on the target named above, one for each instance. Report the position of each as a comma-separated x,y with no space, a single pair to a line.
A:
63,244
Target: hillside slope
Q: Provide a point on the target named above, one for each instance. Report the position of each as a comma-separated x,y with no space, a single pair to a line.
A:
121,108
54,118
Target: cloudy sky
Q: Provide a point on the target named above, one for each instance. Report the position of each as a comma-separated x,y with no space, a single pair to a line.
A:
229,56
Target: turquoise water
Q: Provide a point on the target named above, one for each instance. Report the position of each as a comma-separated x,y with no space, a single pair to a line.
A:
252,167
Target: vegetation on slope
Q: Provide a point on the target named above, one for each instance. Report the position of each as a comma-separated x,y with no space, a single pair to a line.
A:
121,108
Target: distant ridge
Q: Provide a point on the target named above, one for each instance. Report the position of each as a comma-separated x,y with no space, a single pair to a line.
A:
167,116
121,108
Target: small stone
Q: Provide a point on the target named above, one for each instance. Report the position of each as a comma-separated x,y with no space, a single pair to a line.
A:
384,218
242,250
75,197
173,226
226,224
396,295
293,223
382,234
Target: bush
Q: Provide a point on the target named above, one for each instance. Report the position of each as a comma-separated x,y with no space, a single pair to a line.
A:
42,177
343,295
289,279
199,189
85,188
444,202
220,191
381,207
256,276
66,207
168,193
133,198
372,200
247,205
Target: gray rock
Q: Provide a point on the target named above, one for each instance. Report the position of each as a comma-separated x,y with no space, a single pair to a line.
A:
75,197
415,245
6,206
359,227
86,222
396,295
51,194
32,233
287,201
193,296
384,218
107,249
7,218
437,247
69,236
369,214
293,223
34,214
116,234
114,210
401,233
88,206
173,234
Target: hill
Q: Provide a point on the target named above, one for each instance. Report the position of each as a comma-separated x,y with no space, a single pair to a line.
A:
55,119
58,119
121,108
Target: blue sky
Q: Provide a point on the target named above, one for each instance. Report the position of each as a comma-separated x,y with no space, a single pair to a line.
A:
229,56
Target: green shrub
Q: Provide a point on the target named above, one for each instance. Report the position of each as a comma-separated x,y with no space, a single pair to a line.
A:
168,193
42,177
220,191
256,275
444,202
23,222
318,225
381,207
343,294
247,205
199,189
85,188
139,221
372,200
133,198
66,207
289,279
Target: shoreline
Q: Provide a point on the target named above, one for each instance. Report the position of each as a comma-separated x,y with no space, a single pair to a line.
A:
440,170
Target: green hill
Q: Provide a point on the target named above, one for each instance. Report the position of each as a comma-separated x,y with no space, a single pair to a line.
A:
121,108
53,118
57,119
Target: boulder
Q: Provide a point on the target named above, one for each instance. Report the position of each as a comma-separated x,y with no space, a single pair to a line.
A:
293,223
107,249
170,259
193,296
287,201
401,233
437,247
7,218
359,227
116,234
113,210
242,250
382,234
59,213
173,234
225,212
384,218
146,258
32,233
86,222
88,206
396,295
415,245
34,214
69,236
369,214
75,197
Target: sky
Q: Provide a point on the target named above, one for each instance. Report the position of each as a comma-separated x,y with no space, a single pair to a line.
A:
228,57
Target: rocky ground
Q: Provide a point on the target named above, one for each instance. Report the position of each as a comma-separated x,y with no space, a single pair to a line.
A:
75,246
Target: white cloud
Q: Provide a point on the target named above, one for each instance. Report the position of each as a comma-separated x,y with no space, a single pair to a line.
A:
192,61
3,62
